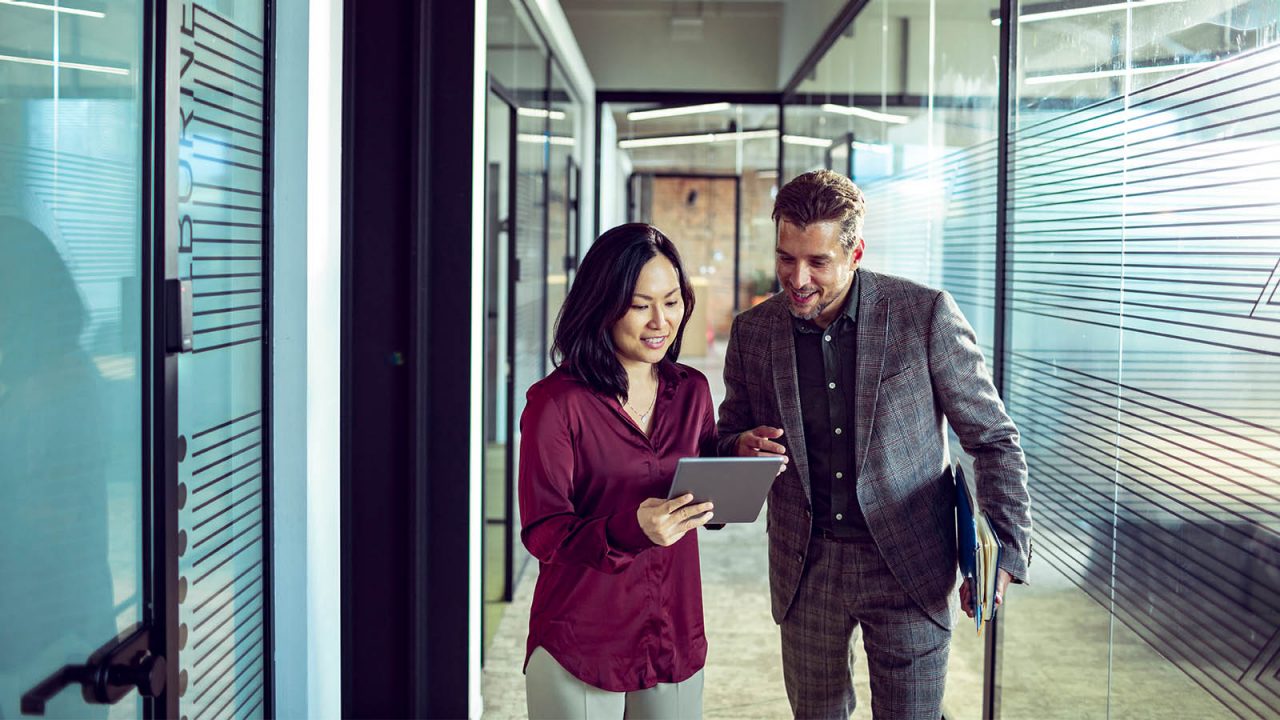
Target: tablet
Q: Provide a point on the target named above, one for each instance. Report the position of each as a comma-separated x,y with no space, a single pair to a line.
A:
737,485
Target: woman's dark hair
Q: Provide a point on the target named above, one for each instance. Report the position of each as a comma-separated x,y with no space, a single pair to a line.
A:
601,295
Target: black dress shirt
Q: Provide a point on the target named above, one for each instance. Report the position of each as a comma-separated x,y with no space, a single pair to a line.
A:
825,373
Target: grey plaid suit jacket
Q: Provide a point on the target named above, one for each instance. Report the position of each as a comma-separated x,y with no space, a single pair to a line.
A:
917,362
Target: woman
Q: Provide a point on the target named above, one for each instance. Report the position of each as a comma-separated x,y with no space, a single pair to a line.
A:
616,624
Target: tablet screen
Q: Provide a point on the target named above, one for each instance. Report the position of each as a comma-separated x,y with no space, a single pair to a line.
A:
737,486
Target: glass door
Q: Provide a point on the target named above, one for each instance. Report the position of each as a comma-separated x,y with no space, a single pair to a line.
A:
223,156
73,370
133,486
498,387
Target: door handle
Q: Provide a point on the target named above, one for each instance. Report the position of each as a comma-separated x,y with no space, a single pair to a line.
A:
178,315
111,672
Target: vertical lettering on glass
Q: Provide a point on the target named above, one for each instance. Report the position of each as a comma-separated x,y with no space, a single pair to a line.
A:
222,153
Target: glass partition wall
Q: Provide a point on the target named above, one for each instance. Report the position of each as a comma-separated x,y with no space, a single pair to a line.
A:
533,146
1121,276
1142,351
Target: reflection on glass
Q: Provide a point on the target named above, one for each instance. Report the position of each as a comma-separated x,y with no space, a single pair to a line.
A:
1143,355
70,393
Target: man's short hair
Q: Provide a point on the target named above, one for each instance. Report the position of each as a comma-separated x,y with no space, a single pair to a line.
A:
821,196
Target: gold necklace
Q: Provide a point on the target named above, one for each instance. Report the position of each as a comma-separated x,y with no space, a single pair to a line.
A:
644,416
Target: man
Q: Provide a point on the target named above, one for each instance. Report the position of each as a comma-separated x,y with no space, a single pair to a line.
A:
849,375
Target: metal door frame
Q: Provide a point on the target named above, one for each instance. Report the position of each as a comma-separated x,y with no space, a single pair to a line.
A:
499,91
162,494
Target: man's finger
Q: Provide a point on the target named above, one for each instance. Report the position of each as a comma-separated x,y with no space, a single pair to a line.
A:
768,446
766,431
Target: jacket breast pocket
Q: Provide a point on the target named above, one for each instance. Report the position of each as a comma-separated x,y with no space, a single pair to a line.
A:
901,373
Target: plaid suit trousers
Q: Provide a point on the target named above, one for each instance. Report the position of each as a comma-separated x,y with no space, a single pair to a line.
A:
847,587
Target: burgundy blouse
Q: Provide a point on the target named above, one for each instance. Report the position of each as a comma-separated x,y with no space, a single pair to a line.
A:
615,610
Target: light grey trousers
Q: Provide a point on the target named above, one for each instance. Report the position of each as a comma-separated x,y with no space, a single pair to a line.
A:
554,694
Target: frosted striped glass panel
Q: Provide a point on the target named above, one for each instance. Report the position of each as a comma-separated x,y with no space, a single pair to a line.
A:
1144,357
222,541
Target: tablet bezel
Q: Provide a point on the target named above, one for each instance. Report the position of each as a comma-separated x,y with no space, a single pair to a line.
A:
723,481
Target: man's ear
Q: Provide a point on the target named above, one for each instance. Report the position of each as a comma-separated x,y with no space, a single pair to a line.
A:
858,249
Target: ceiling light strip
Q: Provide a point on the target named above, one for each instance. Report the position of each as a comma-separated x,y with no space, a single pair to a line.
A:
670,140
1097,74
866,114
539,139
54,8
678,111
1094,10
540,113
808,141
68,65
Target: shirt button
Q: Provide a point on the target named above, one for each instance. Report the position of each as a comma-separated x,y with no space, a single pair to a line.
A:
831,385
839,431
839,516
827,338
839,475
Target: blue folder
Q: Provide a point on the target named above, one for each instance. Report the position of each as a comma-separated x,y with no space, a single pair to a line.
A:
978,549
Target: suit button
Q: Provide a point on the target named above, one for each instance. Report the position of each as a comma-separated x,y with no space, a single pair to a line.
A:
839,431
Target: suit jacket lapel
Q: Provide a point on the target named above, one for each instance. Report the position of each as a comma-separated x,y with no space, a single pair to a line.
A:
787,388
873,324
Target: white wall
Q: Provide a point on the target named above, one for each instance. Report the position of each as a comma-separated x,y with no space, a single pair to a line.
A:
803,23
629,46
306,297
614,169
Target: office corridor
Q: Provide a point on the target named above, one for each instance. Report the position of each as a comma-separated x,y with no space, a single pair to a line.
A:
743,675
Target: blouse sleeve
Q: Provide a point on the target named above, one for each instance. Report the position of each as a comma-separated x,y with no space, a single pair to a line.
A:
553,530
707,436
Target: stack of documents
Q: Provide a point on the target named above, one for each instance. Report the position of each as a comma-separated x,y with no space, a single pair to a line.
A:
978,549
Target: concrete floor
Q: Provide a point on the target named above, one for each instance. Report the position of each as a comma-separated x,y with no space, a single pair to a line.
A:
1063,656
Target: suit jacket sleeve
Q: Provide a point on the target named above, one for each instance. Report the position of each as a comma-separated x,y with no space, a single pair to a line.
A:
554,531
735,409
973,407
